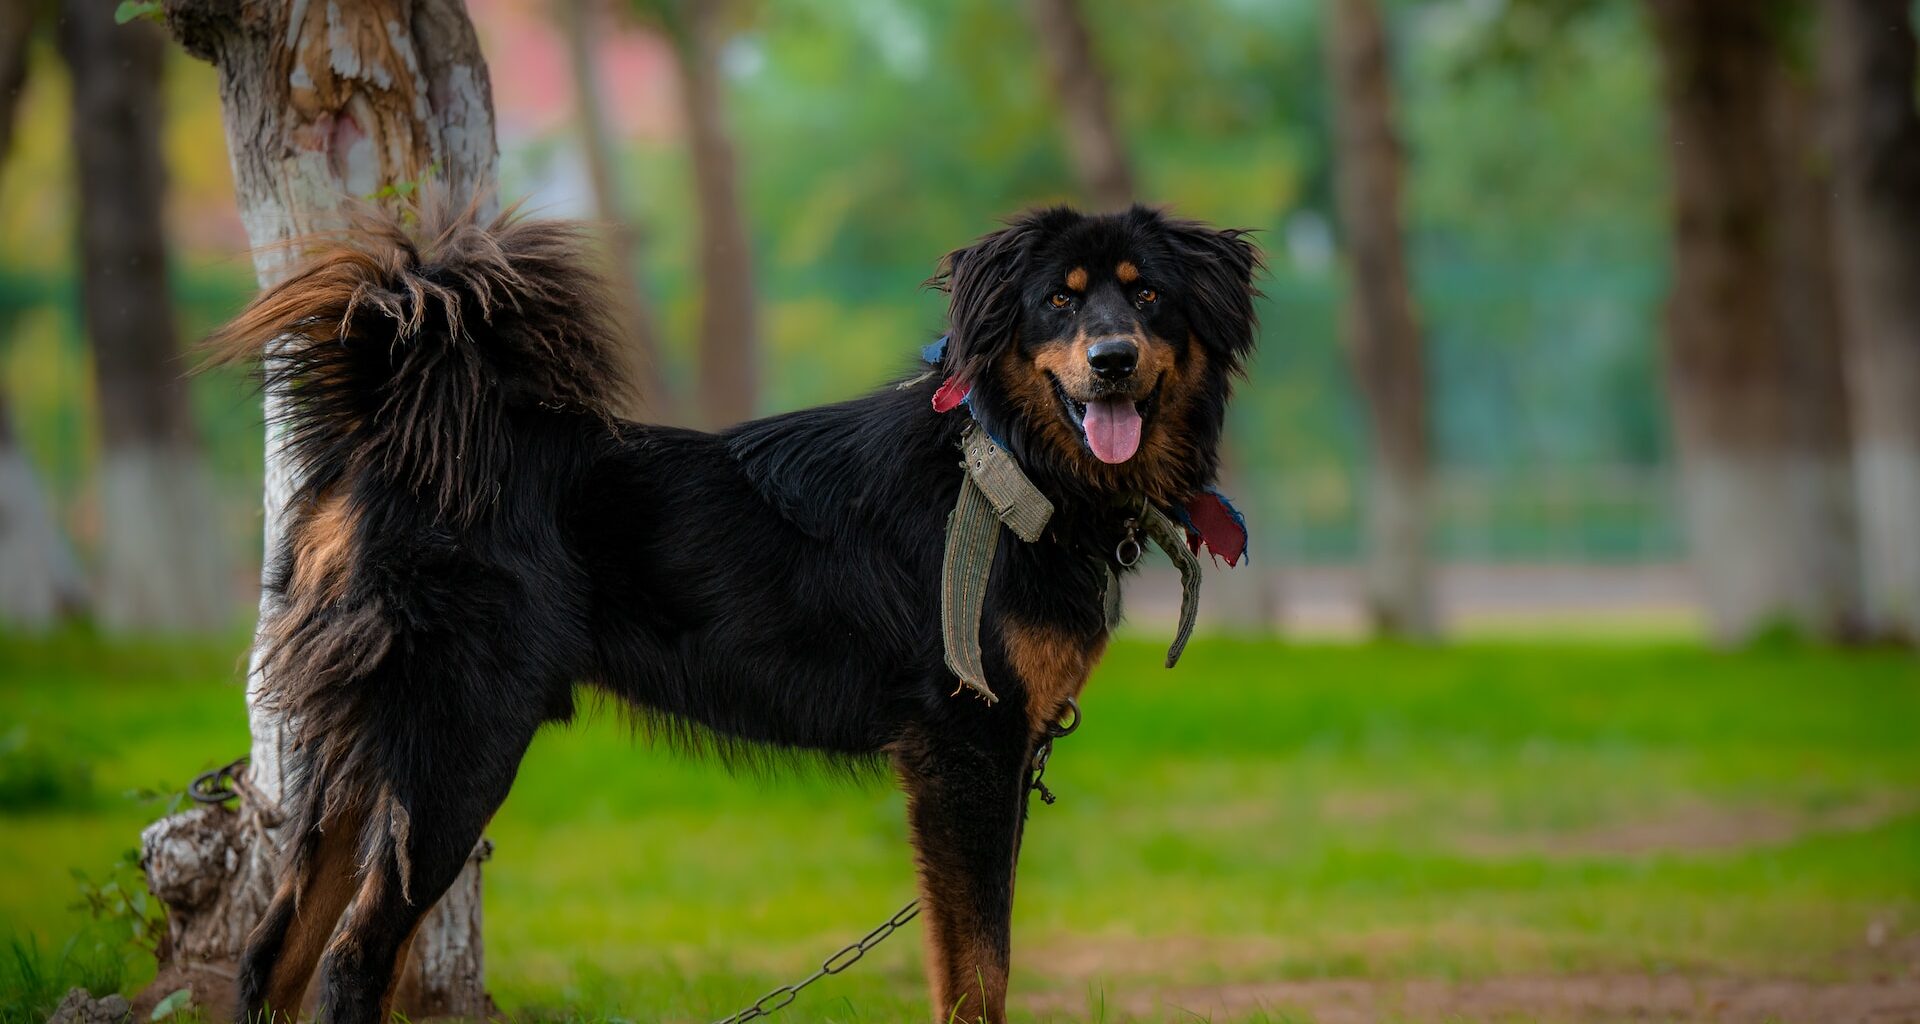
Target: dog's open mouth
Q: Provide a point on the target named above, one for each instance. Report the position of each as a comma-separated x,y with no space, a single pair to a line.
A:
1110,424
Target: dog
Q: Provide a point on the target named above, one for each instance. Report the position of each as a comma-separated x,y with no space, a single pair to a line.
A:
476,532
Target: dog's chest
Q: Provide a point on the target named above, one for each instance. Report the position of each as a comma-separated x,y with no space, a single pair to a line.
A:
1053,663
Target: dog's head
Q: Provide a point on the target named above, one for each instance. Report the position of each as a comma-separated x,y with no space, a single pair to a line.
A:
1101,349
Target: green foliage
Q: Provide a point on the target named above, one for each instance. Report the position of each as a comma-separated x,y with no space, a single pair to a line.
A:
132,10
120,903
1531,35
400,193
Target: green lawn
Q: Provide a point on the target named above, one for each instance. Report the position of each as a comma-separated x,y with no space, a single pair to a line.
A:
1250,835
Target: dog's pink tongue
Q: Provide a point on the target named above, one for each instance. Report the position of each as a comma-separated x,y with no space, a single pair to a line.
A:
1113,429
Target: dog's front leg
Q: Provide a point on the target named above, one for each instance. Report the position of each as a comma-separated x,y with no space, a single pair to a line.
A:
966,799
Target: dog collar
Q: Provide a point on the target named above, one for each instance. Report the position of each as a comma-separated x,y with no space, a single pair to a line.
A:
995,493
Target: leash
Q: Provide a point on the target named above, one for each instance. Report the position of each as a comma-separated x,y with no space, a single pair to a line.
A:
848,955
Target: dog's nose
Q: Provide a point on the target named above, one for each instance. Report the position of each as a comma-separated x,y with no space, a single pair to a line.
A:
1113,358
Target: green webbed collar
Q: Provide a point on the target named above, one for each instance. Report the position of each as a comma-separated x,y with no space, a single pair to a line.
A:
994,493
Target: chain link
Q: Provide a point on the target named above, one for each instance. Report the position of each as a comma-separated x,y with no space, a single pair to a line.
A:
218,785
848,955
843,958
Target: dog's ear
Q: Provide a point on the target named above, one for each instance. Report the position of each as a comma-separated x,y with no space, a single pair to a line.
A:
1220,265
982,282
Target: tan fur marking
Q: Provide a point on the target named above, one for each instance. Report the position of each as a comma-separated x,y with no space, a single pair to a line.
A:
1067,360
1052,664
1077,279
329,883
1126,272
324,549
1156,360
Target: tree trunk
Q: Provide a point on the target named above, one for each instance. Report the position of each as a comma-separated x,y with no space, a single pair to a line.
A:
1820,460
1728,362
729,368
1094,143
40,583
1382,334
1869,59
322,103
161,564
578,21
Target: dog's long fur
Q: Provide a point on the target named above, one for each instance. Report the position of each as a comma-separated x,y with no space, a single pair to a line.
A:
475,533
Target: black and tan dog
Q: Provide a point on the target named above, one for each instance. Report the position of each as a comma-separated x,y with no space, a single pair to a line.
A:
477,533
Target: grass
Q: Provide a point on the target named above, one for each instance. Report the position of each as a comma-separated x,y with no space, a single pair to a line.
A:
1266,812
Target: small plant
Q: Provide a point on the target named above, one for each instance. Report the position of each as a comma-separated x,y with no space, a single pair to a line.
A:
121,902
403,193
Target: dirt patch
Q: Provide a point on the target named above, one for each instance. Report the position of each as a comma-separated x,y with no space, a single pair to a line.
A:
1087,958
1168,960
1575,999
1363,806
1697,828
1883,952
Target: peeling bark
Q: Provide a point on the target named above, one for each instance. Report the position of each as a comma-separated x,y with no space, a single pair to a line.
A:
324,101
1869,65
1094,142
729,358
1382,330
578,19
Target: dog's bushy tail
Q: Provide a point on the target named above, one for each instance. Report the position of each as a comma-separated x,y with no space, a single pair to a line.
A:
404,343
402,353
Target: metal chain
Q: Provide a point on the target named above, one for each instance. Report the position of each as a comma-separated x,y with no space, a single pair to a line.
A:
846,957
850,954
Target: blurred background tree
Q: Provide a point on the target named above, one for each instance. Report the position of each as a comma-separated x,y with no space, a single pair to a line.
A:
1868,60
1092,139
728,378
1381,329
162,565
1731,382
582,22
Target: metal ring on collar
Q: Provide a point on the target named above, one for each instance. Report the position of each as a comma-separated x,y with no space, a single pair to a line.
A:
1064,725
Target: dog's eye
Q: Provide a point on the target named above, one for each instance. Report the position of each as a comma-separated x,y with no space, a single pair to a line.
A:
1061,300
1146,296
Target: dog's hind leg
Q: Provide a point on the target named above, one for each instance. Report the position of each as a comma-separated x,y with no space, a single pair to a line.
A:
284,947
445,773
966,802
